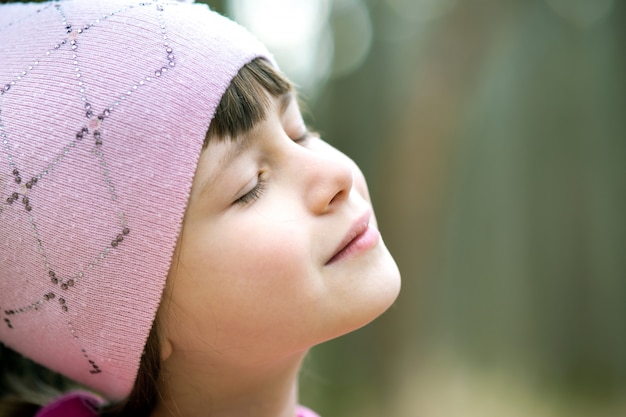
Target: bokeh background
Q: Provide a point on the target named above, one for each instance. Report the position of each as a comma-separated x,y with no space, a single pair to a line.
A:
493,135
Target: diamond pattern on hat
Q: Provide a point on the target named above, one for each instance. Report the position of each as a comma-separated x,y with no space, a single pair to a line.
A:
54,185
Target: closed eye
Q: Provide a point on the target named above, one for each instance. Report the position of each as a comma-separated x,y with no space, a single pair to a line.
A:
254,194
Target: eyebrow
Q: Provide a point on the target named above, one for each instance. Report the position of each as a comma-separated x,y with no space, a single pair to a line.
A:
243,142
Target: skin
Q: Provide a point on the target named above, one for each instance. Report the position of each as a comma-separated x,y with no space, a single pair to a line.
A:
250,290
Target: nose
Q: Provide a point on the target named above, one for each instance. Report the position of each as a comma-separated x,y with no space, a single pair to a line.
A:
328,178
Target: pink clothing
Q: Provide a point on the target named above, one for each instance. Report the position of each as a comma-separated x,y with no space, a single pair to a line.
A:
75,404
81,404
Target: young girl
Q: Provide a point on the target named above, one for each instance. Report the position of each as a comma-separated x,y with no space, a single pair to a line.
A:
172,236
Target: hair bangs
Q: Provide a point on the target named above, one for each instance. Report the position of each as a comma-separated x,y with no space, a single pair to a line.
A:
246,102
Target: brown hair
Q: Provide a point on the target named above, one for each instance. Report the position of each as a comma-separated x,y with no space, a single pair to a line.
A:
245,102
243,105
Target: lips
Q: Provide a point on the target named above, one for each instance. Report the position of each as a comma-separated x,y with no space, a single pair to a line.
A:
359,238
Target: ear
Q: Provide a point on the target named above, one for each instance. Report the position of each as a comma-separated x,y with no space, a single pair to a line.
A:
166,349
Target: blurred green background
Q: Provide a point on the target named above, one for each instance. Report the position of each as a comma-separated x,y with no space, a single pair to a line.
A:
493,135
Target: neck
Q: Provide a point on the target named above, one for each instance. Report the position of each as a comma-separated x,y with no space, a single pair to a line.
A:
262,390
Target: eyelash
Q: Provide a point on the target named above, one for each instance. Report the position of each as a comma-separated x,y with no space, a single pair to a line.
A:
306,136
254,194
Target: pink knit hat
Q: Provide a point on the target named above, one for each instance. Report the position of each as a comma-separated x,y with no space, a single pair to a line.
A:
104,106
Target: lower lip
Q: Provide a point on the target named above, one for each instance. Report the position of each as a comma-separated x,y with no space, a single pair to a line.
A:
363,242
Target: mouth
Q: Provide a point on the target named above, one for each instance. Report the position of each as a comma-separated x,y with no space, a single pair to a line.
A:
359,238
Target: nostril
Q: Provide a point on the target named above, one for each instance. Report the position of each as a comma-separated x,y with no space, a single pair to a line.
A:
339,197
343,181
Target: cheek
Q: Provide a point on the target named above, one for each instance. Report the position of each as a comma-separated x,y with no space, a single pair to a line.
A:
243,287
254,268
261,246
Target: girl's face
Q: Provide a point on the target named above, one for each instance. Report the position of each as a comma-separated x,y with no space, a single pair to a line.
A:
259,273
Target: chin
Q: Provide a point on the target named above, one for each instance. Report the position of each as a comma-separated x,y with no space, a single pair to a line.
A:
375,289
384,288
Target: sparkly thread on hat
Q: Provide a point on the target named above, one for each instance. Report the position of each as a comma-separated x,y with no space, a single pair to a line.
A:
104,106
